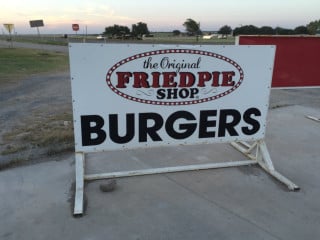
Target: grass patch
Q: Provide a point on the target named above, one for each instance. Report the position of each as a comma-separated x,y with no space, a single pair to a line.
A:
53,133
11,149
42,41
16,63
190,40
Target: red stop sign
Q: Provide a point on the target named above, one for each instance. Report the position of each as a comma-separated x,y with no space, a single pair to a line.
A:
75,27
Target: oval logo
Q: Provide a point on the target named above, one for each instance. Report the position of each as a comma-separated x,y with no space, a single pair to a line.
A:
174,77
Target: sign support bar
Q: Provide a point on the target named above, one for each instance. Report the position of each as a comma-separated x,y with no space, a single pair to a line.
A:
261,157
167,170
78,202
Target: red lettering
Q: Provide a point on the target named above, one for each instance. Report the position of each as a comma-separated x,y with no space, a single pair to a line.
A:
155,80
168,79
203,77
215,79
187,79
227,79
140,80
123,79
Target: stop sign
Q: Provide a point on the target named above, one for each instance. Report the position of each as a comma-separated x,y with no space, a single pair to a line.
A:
75,27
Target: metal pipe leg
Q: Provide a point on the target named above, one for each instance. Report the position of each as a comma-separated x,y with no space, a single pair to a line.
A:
78,200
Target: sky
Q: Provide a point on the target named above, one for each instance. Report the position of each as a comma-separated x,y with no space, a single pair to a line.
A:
161,15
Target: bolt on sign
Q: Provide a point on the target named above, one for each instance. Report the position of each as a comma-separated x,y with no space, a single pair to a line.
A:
140,95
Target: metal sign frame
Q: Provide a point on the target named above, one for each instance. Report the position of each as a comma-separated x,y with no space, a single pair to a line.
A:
9,27
257,153
92,61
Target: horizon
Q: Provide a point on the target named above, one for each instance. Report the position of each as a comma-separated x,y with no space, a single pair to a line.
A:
165,16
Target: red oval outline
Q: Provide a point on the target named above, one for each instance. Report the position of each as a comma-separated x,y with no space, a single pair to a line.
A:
170,51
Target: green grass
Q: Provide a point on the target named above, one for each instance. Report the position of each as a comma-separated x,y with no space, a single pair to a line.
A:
51,40
43,41
11,149
17,63
169,38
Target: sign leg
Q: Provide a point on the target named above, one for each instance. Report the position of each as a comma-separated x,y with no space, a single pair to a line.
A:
78,200
258,151
264,160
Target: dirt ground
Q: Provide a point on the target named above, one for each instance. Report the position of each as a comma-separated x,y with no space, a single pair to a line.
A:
28,110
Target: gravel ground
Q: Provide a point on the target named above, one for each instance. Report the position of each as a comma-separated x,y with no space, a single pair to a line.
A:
34,99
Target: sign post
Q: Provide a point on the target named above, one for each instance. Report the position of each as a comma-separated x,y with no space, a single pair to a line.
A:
9,27
37,24
154,95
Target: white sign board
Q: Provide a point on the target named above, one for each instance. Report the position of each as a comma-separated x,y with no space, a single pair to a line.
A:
143,95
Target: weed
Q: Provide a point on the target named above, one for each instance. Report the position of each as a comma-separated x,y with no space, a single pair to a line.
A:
54,133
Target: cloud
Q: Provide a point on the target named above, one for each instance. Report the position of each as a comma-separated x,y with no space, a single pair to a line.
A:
96,14
86,12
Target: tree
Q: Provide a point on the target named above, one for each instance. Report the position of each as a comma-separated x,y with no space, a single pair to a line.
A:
301,30
246,30
283,31
176,32
139,29
314,27
266,30
116,30
225,30
192,27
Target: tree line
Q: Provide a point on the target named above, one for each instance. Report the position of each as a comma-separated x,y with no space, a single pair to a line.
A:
267,30
192,28
123,32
